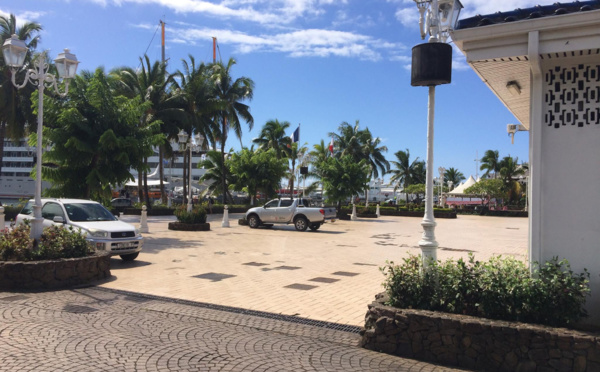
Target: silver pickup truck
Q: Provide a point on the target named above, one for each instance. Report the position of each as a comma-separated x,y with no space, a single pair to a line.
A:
296,211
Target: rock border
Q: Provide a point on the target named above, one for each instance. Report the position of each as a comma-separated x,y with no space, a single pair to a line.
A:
52,274
477,343
180,226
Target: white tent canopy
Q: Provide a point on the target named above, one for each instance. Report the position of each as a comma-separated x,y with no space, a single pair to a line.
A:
460,190
150,183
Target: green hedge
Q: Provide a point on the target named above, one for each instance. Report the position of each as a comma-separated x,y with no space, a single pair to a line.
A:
501,288
399,211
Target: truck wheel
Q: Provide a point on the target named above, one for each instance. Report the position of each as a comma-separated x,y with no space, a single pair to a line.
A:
130,256
315,226
301,223
253,221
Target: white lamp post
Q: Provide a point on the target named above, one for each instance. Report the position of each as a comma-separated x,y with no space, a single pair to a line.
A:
442,171
14,51
431,66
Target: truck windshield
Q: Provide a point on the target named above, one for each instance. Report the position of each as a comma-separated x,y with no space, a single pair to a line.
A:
81,212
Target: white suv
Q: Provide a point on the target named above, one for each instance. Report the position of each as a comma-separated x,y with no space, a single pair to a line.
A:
102,229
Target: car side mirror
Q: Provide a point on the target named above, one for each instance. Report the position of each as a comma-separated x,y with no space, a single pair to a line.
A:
58,219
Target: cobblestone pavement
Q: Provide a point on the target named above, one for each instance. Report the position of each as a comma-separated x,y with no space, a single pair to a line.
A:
97,329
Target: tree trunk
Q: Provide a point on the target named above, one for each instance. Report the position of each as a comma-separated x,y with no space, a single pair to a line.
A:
140,188
146,194
2,134
223,178
185,178
161,173
292,178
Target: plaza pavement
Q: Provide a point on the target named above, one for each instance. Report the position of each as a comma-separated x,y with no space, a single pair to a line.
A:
329,275
236,299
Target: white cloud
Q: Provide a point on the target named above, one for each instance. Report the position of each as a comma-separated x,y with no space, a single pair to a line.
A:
27,16
260,11
300,43
474,7
408,16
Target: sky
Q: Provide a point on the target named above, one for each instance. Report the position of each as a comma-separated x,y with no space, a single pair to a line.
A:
315,63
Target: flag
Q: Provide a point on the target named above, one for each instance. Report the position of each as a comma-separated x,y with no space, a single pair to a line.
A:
331,146
295,137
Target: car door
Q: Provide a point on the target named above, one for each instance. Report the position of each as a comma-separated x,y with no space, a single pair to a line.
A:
269,214
51,210
283,213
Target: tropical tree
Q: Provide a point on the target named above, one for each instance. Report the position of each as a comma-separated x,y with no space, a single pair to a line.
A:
193,94
417,189
373,153
15,105
318,155
454,175
229,95
510,171
272,136
490,163
257,171
150,85
95,138
213,175
406,172
348,140
487,189
343,177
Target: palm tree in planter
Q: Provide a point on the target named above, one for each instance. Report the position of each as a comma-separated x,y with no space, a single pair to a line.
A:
190,221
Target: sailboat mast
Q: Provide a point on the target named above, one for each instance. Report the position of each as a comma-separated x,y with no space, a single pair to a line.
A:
214,49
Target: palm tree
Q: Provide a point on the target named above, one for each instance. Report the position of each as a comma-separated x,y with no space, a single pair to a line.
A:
348,141
193,94
229,95
373,153
510,171
214,175
453,175
490,162
15,105
407,172
317,157
150,85
272,136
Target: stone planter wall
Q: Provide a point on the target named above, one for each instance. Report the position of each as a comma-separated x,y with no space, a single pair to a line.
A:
189,226
67,272
477,343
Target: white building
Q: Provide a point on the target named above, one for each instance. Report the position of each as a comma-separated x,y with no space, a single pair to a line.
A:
543,63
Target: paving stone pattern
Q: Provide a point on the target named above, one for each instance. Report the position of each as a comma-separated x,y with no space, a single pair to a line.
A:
94,329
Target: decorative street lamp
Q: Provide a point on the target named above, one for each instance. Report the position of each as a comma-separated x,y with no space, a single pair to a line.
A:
442,171
14,51
185,142
431,66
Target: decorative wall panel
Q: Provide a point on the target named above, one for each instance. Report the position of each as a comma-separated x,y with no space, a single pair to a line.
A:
572,96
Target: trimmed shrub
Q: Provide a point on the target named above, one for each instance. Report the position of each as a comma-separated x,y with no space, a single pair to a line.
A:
62,242
197,215
16,244
56,242
501,288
